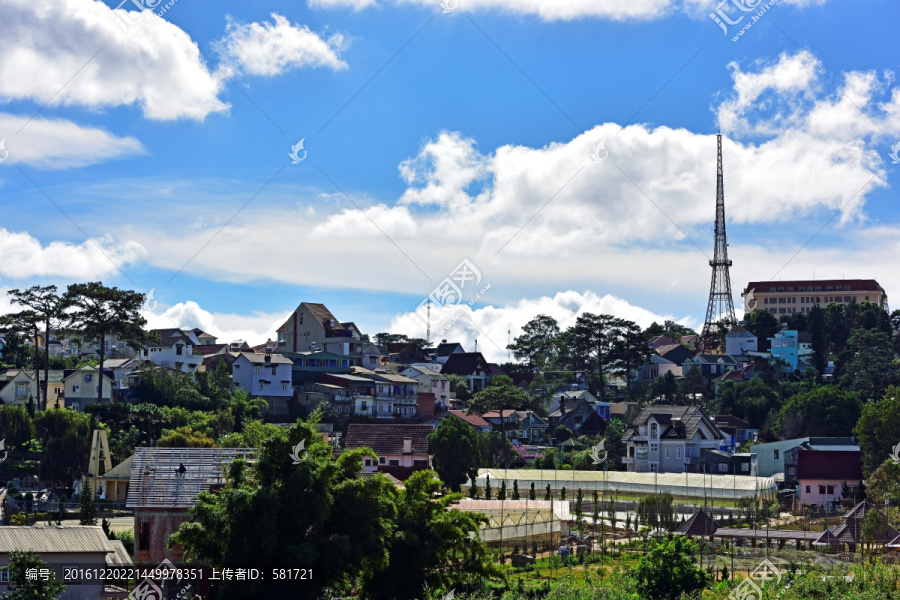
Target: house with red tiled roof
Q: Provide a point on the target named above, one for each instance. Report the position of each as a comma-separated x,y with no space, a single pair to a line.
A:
400,450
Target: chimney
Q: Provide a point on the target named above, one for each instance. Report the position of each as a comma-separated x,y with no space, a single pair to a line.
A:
407,445
443,341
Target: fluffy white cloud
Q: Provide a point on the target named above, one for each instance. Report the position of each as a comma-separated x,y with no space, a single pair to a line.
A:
272,48
60,144
490,325
24,257
549,218
565,10
254,328
161,70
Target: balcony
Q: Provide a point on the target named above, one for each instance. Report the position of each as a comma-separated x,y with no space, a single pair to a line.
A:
641,455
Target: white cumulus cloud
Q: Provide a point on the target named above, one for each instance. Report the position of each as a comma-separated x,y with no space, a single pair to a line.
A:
60,144
272,48
84,58
24,257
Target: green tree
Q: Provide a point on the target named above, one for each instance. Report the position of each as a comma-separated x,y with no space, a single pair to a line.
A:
579,507
16,425
501,495
515,494
459,387
24,588
672,330
487,487
884,482
815,326
878,429
693,383
537,346
629,351
826,411
88,515
431,546
870,369
532,495
99,311
24,324
48,307
65,458
499,395
185,437
548,495
455,447
668,571
763,325
284,515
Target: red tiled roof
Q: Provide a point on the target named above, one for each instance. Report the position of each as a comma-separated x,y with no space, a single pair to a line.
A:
473,420
388,439
843,465
494,414
856,285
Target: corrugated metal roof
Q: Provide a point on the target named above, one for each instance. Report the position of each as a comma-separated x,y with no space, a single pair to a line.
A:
157,482
55,539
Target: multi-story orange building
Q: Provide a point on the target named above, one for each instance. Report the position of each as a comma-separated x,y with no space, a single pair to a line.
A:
787,297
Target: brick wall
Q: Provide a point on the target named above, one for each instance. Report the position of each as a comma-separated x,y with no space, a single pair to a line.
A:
161,523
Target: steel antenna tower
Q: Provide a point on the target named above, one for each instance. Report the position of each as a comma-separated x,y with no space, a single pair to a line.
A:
721,303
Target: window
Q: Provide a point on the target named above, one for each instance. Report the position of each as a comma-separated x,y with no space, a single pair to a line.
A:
677,452
256,369
368,462
237,366
282,338
723,467
829,490
654,447
807,490
284,385
792,470
395,462
790,288
21,390
76,388
821,489
380,460
667,453
4,574
776,454
654,430
144,536
745,467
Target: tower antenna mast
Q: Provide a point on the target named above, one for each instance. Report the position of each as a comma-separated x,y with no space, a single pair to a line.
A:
721,304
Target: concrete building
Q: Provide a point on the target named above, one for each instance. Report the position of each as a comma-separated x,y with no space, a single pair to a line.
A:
266,376
312,328
824,476
431,382
165,483
401,450
785,346
786,297
739,341
59,547
669,439
81,387
175,350
17,386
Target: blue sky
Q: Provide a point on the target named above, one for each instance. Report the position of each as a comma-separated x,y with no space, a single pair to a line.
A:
162,162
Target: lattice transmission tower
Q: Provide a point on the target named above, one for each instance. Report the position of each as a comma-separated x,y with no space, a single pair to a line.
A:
721,304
